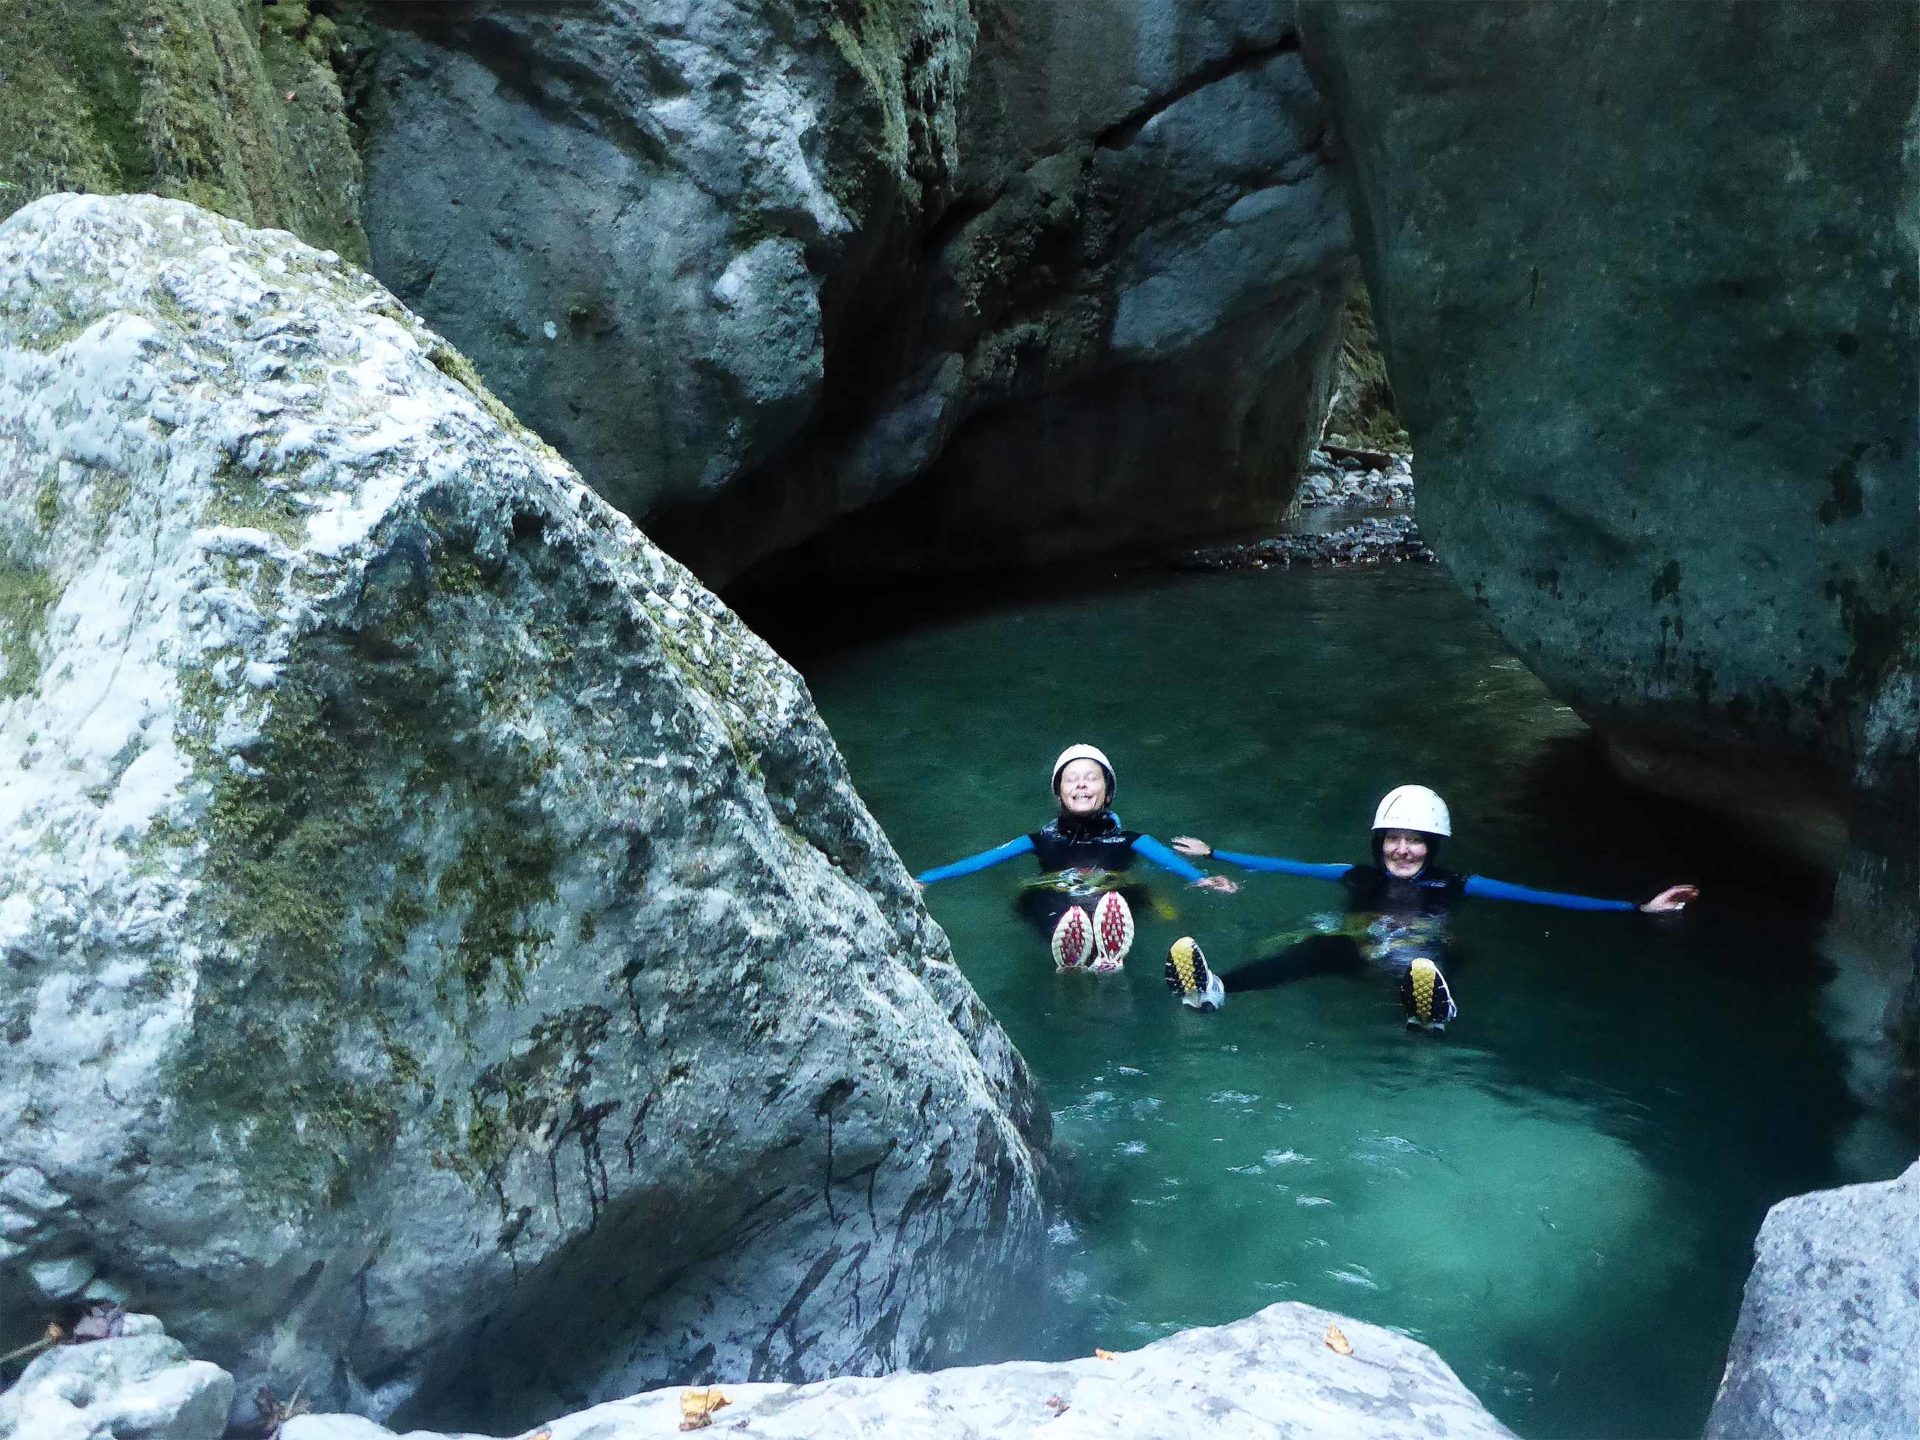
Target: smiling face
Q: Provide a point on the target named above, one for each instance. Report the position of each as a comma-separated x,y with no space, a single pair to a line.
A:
1403,852
1083,788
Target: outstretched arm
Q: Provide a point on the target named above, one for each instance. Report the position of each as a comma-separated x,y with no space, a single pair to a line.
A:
1008,851
1152,850
1667,901
1272,864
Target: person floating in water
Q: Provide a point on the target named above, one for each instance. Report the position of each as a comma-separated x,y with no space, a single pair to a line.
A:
1396,911
1084,855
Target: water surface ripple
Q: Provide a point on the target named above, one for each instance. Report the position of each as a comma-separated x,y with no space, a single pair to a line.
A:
1560,1195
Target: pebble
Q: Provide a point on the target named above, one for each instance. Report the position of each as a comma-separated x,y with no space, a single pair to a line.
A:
1329,484
1368,542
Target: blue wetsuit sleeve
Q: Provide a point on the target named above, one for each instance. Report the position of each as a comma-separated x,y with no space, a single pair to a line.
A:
1151,849
1501,890
1275,865
1008,851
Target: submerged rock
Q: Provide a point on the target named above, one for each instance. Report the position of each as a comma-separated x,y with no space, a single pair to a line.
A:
138,1385
1270,1375
1830,1325
449,969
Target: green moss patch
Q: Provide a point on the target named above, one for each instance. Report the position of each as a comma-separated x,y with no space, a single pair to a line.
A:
1364,415
377,873
27,593
230,104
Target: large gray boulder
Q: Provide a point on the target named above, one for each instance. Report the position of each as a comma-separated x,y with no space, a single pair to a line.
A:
1830,1328
1270,1375
1646,279
139,1385
1062,281
447,965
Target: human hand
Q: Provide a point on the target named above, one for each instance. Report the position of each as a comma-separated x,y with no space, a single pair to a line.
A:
919,887
1217,882
1671,900
1193,849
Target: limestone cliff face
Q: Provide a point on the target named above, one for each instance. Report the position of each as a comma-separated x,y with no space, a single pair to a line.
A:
1262,1378
1646,279
1041,279
232,104
1121,337
644,219
448,965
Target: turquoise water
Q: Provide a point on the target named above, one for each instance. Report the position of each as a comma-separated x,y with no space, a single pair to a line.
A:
1560,1195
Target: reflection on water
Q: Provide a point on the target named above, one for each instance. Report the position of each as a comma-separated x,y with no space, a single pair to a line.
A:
1560,1195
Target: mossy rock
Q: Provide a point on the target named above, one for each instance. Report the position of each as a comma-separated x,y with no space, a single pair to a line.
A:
232,104
437,928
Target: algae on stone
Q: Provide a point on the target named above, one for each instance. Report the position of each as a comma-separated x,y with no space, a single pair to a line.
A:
26,594
232,104
406,870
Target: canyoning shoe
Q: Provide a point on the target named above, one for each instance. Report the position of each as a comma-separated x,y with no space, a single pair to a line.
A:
1189,978
1112,932
1428,1001
1072,939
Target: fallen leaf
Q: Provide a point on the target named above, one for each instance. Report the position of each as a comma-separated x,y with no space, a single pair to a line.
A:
1337,1342
1105,1355
697,1406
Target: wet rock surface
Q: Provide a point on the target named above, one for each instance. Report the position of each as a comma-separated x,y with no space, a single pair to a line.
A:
630,212
1831,1321
1321,529
1365,542
1270,1375
449,969
969,289
1652,323
1338,478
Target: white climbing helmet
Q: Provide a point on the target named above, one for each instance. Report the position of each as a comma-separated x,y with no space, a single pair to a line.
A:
1413,807
1083,752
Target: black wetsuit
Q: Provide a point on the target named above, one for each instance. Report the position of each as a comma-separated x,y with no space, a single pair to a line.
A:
1081,857
1406,921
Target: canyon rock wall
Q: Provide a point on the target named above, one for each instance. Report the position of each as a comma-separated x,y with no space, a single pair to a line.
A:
235,105
1646,278
1038,281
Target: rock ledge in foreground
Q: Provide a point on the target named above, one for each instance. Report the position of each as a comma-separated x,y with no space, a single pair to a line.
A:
1269,1375
1830,1326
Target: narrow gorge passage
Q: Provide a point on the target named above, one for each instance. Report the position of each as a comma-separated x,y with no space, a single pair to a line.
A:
1560,1195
